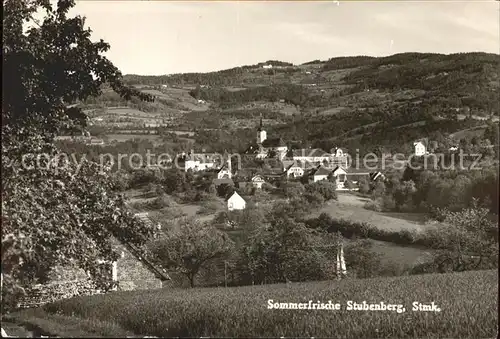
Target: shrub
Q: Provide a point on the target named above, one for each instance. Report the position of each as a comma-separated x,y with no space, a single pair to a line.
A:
374,205
350,229
326,188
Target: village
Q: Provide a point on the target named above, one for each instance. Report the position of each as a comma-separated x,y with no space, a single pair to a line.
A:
305,165
302,163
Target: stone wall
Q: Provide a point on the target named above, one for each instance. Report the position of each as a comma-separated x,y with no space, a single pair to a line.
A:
133,274
69,281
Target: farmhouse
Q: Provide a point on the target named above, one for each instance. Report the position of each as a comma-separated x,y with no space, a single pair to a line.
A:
420,147
293,169
319,173
353,175
225,171
339,157
201,162
258,181
236,202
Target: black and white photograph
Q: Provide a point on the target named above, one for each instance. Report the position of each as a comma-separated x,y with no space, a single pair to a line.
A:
250,169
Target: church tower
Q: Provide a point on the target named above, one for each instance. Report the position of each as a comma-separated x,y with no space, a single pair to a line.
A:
261,134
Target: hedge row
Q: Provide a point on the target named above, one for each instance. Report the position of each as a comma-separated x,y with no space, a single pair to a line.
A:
350,229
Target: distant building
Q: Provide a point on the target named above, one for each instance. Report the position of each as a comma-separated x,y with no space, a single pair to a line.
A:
95,142
353,175
236,202
293,169
258,181
339,157
420,148
267,66
319,173
225,171
314,155
264,146
202,161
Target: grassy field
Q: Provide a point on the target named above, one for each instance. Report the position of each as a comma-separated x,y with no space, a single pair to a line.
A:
350,207
467,302
125,137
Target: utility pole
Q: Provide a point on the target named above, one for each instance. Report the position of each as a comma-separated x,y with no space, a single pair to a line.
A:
225,273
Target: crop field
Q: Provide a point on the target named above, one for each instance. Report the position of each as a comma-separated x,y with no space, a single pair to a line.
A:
125,137
467,303
180,96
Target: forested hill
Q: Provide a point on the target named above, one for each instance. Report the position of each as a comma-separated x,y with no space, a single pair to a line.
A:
353,100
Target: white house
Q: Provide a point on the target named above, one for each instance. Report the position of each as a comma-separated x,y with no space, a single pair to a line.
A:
236,202
294,170
258,181
201,162
225,171
339,157
267,66
420,148
314,155
340,175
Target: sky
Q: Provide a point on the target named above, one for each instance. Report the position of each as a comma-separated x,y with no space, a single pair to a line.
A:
165,37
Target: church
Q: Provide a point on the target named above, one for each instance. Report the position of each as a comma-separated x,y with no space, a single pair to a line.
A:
265,147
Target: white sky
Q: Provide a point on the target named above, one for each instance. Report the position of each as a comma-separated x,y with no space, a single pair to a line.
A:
162,37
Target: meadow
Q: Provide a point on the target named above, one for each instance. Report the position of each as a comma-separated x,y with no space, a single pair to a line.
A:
468,304
351,207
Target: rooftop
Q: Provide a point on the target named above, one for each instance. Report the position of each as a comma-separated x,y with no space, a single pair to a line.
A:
309,152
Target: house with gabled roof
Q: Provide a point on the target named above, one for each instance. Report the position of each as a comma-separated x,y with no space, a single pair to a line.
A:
342,175
258,181
235,202
293,170
319,173
420,147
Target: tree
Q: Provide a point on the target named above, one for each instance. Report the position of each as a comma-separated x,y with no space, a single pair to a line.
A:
362,260
466,239
325,188
292,189
192,247
174,180
53,210
364,185
285,251
379,190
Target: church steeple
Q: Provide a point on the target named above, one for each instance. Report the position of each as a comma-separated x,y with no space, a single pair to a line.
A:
261,134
